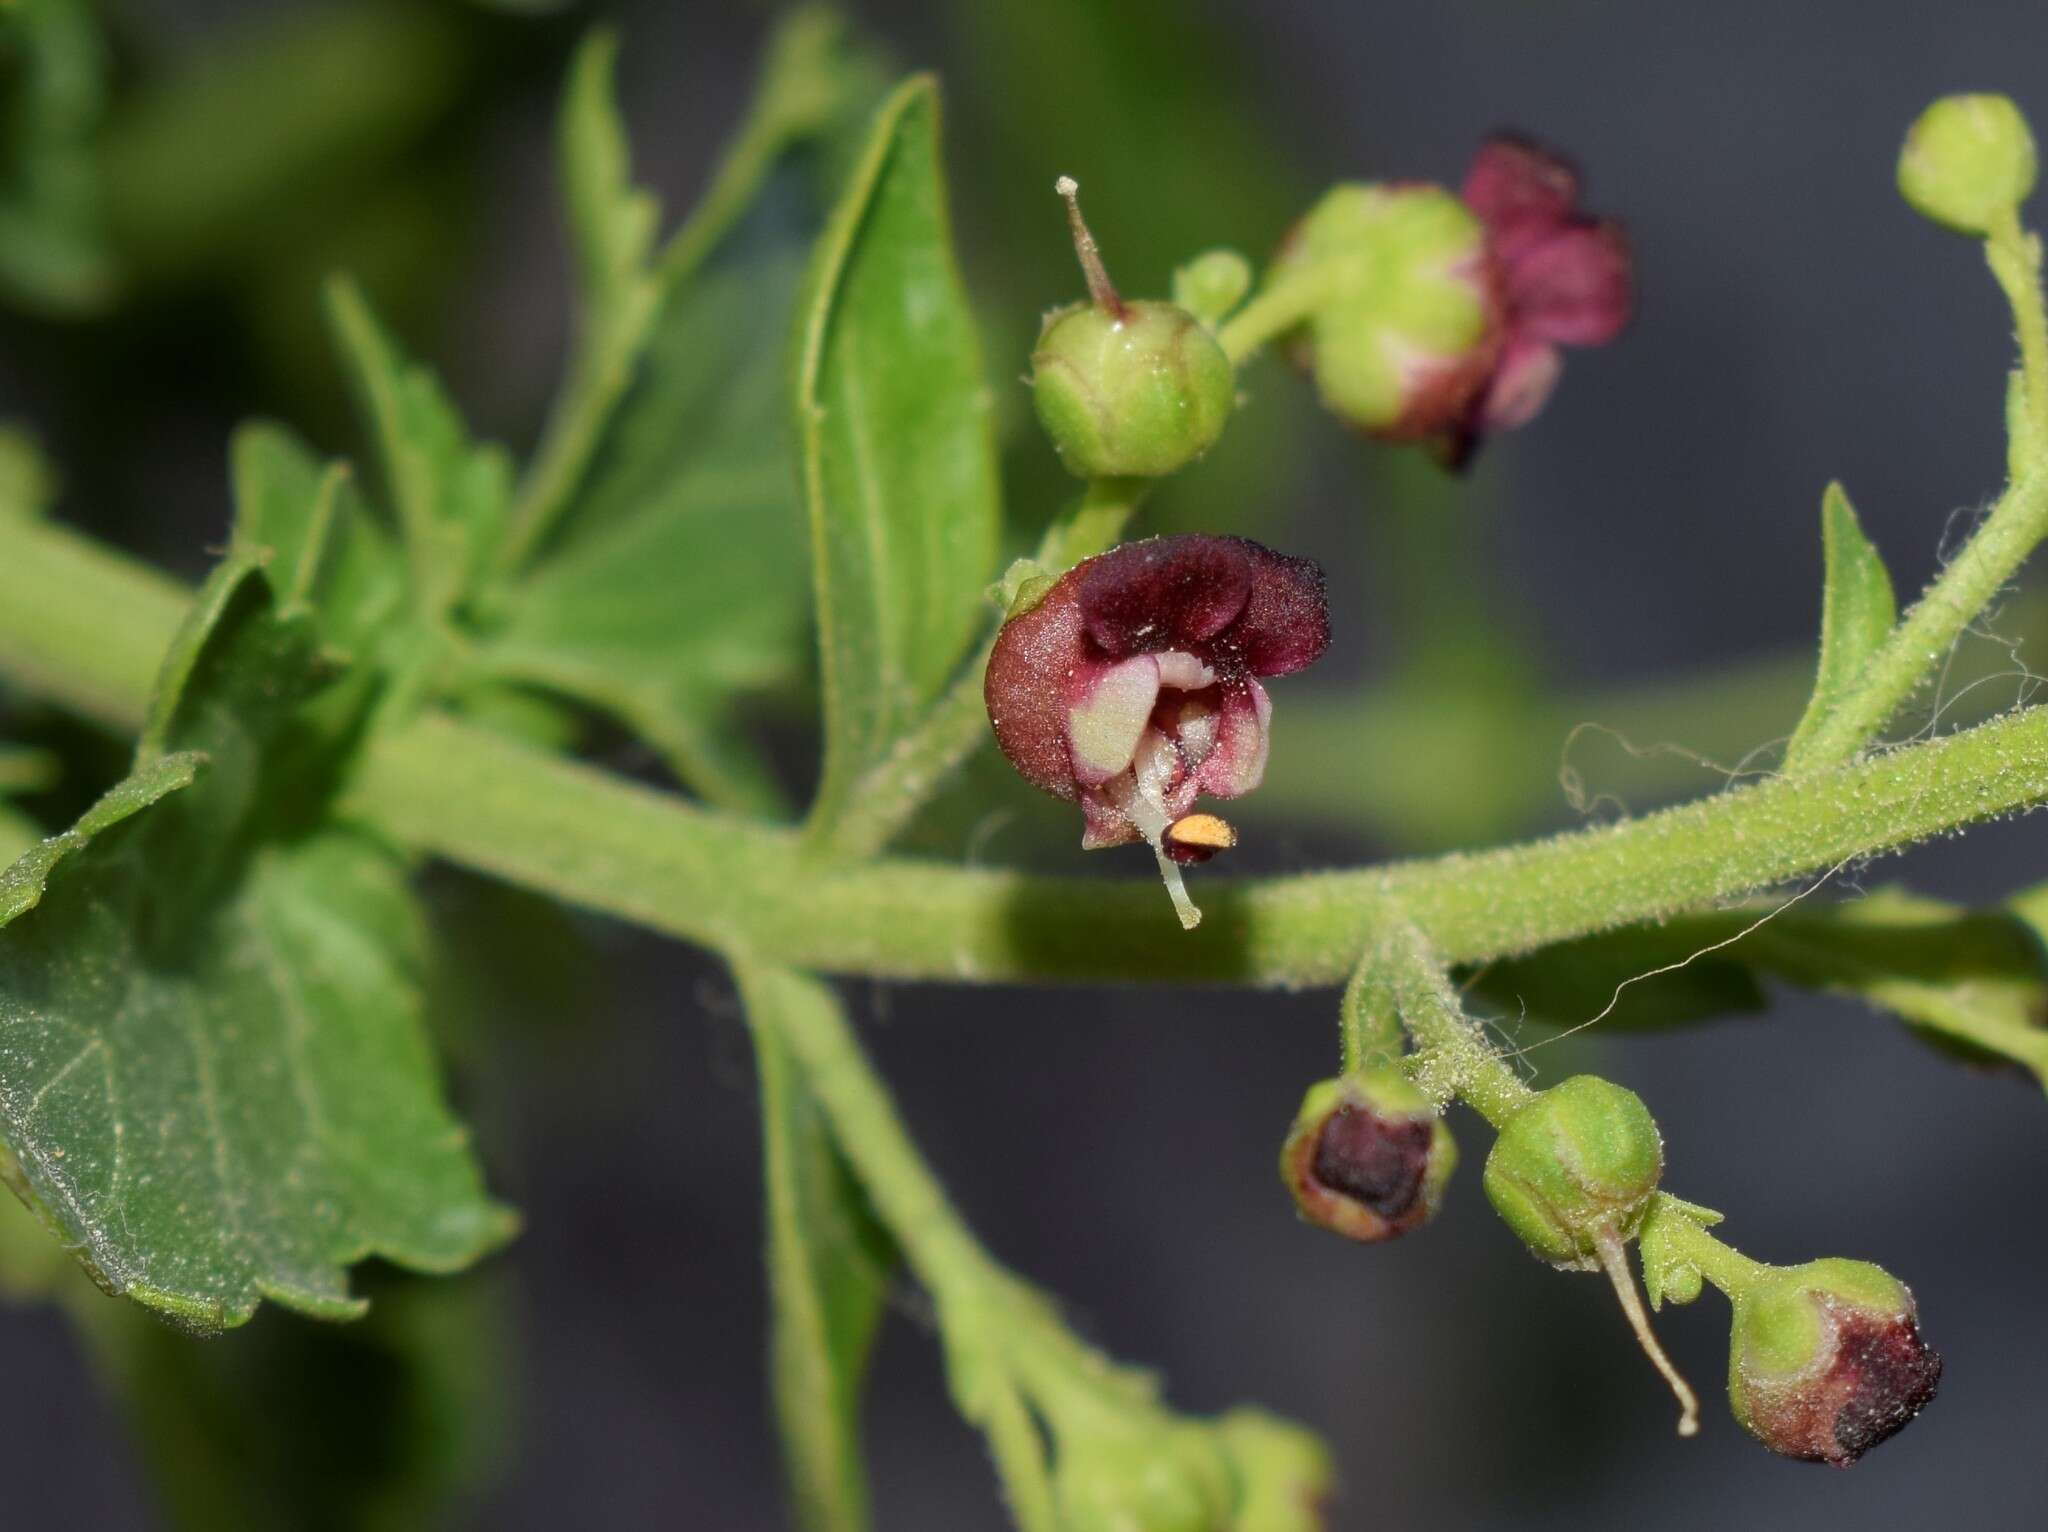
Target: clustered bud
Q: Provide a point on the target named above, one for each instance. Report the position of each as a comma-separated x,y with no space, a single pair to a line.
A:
1968,162
1127,388
1131,686
1827,1360
1444,314
1368,1156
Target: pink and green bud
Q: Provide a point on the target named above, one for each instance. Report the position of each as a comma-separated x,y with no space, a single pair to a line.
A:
1575,1169
1132,685
1368,1156
1283,1473
1403,329
1968,162
1827,1360
1444,315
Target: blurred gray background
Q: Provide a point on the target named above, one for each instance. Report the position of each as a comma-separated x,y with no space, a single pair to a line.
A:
1797,324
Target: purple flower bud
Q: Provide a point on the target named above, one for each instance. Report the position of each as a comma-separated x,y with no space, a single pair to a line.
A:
1132,686
1827,1360
1562,278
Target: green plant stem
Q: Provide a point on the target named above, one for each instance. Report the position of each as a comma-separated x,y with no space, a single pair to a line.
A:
1272,313
1453,1057
1720,1263
84,626
1924,636
2015,260
1369,1025
891,794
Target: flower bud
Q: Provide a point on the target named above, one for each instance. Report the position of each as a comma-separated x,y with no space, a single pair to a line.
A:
1177,1477
1405,333
1212,284
1968,162
1283,1472
1139,392
1368,1157
1827,1360
1127,390
1574,1167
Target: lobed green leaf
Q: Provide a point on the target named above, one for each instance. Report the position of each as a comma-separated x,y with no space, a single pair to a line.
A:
216,1084
899,463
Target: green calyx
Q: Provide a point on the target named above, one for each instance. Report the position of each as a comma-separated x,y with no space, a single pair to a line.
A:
1137,390
1575,1167
1152,1476
1397,301
1368,1157
1212,284
1968,162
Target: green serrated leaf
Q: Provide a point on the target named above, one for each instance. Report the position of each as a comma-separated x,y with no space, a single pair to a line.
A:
899,464
308,522
450,493
829,1266
663,500
53,248
217,1084
1857,613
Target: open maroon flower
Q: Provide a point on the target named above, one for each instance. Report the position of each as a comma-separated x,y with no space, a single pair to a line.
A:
1563,278
1132,686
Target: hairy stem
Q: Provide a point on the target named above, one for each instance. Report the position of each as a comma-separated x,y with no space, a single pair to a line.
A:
891,794
84,626
1720,1263
1453,1057
2015,260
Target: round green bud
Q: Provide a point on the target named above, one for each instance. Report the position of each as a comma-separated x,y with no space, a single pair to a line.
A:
1576,1165
1212,284
1283,1471
1968,162
1368,1156
1825,1360
1133,390
1178,1478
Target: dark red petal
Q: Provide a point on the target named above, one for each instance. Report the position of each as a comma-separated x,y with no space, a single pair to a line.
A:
1026,687
1163,593
1576,288
1286,621
1514,181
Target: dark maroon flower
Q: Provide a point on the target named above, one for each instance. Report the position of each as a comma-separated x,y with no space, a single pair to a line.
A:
1132,686
1562,277
1368,1156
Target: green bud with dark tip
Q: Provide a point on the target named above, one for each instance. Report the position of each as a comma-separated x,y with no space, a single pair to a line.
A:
1826,1360
1368,1156
1968,162
1574,1167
